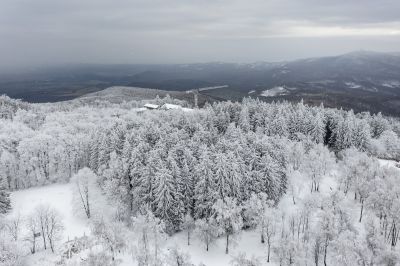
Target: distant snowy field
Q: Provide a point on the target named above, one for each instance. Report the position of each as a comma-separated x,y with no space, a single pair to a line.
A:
274,92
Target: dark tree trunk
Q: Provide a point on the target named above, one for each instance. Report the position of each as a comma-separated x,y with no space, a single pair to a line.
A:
262,236
325,251
227,244
33,249
44,238
361,212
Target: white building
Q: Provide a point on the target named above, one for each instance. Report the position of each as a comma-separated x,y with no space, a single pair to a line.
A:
151,106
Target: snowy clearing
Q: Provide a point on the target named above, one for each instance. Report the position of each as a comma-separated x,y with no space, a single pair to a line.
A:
353,85
58,196
274,92
391,84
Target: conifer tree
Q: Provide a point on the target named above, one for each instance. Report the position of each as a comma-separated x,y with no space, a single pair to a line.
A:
205,194
5,203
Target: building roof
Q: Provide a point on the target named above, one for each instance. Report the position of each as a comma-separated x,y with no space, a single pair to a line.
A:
169,106
151,106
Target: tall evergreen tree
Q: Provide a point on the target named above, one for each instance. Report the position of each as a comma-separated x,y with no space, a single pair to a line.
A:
166,201
5,203
205,194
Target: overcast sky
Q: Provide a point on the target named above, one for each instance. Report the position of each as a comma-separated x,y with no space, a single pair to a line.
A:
182,31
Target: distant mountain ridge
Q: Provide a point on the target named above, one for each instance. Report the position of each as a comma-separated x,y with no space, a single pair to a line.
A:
362,80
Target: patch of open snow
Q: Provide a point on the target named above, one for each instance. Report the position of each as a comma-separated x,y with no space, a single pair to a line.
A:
353,85
213,88
324,82
279,90
59,197
389,163
285,71
249,242
391,84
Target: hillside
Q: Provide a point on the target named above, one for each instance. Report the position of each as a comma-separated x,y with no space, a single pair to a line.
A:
126,94
362,81
110,184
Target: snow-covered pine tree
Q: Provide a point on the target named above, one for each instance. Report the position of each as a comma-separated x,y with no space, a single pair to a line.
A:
205,193
147,178
5,203
378,125
317,130
104,151
166,200
187,188
244,122
221,176
361,135
268,177
94,154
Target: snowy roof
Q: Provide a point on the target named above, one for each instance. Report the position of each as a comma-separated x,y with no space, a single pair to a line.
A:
169,106
151,106
187,109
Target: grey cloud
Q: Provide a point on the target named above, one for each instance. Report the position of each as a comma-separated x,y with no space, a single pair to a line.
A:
164,31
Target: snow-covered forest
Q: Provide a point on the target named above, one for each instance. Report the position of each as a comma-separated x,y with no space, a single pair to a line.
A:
317,186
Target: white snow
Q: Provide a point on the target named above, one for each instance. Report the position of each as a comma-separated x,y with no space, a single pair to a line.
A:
249,243
285,71
275,91
169,106
324,82
389,163
213,88
391,84
59,197
353,85
151,106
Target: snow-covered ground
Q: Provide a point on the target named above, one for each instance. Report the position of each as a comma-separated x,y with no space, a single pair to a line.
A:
389,163
213,88
353,85
59,196
391,84
249,242
274,92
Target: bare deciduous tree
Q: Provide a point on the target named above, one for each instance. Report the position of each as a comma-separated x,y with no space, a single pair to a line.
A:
33,229
54,227
14,226
84,181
